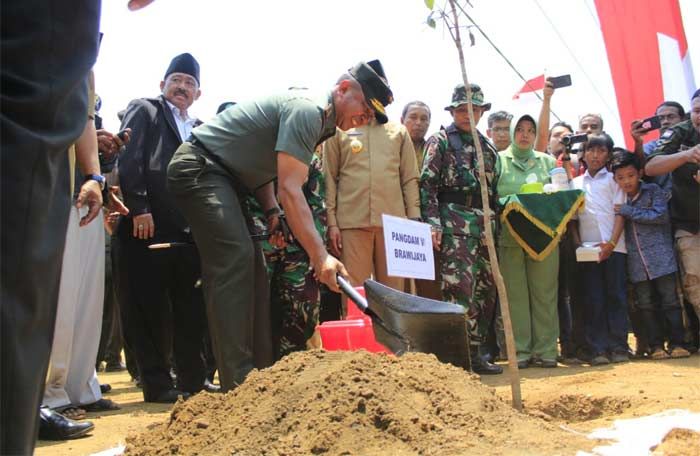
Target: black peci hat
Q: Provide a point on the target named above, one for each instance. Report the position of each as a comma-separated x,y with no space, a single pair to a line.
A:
183,63
375,87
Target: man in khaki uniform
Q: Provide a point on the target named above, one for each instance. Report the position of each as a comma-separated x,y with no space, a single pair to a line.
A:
369,171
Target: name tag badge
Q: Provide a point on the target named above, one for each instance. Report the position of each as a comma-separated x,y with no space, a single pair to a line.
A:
356,146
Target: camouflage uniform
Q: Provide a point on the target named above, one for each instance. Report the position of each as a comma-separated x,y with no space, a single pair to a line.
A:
450,175
684,207
294,292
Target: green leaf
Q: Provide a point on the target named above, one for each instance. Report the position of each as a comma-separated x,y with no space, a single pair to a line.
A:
431,22
430,4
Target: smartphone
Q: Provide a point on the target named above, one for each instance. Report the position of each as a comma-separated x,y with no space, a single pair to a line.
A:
560,81
651,123
122,134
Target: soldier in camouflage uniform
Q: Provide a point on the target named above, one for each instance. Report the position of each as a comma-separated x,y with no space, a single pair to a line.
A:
451,202
678,152
294,292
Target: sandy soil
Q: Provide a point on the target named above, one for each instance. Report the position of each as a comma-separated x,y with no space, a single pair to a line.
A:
578,398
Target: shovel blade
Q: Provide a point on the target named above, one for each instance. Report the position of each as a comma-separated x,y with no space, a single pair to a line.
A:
427,325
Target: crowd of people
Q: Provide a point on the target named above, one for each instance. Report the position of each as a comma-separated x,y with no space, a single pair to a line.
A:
219,243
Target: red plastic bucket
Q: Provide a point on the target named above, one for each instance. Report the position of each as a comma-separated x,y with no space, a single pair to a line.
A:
353,333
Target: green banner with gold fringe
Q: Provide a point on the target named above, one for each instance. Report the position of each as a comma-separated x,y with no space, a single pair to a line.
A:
538,220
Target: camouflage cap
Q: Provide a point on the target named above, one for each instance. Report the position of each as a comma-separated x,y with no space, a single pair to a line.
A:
459,97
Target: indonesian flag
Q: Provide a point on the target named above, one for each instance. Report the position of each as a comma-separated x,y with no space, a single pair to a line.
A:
532,85
648,55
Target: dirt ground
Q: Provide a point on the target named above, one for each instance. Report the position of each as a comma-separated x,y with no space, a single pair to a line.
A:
578,398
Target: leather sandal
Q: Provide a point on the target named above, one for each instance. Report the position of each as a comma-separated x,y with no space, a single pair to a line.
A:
72,412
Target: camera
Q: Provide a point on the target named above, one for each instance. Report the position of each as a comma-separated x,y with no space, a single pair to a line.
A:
570,140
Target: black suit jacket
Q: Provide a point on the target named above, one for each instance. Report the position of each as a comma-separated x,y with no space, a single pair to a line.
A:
143,166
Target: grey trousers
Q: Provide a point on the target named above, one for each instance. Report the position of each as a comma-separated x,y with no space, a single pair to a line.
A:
235,284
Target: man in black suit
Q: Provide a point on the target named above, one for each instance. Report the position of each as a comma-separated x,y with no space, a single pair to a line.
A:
161,308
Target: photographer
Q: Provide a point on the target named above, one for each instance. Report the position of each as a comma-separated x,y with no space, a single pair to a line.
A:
678,152
669,113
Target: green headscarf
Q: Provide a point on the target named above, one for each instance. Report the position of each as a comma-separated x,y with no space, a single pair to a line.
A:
522,155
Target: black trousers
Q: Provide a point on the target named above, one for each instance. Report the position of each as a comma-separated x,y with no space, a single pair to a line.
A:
48,47
570,302
162,312
111,341
35,209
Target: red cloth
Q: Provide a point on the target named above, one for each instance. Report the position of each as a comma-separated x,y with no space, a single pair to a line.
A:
533,85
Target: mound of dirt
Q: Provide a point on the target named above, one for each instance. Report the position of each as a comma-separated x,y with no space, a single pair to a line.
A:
320,402
679,442
579,407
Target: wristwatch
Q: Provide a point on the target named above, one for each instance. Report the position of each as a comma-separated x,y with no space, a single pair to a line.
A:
97,178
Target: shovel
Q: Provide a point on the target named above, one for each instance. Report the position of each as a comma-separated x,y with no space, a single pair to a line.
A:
403,322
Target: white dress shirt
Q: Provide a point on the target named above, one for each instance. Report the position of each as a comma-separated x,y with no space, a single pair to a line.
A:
597,219
184,124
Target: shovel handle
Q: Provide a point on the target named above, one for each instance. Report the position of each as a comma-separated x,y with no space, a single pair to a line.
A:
349,290
167,245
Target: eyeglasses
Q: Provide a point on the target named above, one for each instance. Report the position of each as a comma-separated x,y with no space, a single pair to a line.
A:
500,130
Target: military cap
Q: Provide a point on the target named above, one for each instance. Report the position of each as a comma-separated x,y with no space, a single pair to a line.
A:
375,87
459,97
183,63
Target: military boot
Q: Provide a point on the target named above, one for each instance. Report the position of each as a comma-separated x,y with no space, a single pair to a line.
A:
481,366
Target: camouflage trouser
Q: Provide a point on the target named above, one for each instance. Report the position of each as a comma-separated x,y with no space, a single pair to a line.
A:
467,280
295,300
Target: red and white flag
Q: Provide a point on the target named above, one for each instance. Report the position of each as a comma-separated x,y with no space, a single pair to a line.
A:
532,85
648,55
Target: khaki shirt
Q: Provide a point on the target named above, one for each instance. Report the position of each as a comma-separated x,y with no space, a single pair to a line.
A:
380,176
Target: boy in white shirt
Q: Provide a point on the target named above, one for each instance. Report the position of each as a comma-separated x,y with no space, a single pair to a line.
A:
604,281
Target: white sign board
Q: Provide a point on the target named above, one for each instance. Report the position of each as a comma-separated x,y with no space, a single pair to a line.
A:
409,248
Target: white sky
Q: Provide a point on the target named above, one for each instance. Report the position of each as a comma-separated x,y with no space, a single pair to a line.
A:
253,48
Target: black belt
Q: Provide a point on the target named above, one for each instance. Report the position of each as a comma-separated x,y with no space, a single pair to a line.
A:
240,188
206,152
197,143
472,200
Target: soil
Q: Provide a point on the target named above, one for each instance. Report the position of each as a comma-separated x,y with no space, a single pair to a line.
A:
679,442
352,403
377,404
579,407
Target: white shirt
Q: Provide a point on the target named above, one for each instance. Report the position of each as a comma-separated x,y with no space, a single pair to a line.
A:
184,125
597,219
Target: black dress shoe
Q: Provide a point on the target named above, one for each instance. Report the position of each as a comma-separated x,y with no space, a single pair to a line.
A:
115,366
54,426
167,397
210,387
105,388
548,363
483,367
523,364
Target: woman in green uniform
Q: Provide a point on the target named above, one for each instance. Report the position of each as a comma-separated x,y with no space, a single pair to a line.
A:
531,285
